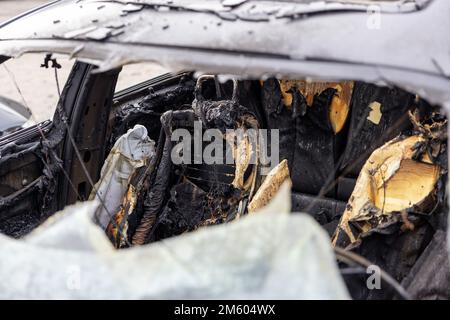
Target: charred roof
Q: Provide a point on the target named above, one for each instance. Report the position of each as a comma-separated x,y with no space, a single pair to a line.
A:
395,39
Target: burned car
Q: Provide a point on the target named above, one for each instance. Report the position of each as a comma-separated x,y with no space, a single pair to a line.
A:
354,112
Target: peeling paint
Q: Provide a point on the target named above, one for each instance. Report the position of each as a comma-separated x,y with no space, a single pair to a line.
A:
262,52
232,3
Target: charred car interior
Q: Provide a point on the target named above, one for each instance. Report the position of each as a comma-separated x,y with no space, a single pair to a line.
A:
302,101
367,162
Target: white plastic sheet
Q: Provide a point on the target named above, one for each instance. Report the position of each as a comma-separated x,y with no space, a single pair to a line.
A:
130,152
270,254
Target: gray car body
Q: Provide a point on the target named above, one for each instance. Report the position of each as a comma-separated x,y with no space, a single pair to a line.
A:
12,115
292,39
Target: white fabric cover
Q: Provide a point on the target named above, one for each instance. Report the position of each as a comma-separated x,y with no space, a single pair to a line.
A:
270,254
130,152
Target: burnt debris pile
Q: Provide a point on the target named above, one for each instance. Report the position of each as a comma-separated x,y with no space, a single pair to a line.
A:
166,198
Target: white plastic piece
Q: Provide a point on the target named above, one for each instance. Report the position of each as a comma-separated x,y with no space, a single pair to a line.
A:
268,255
131,151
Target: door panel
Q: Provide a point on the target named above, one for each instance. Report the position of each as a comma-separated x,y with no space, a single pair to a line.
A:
31,166
88,124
